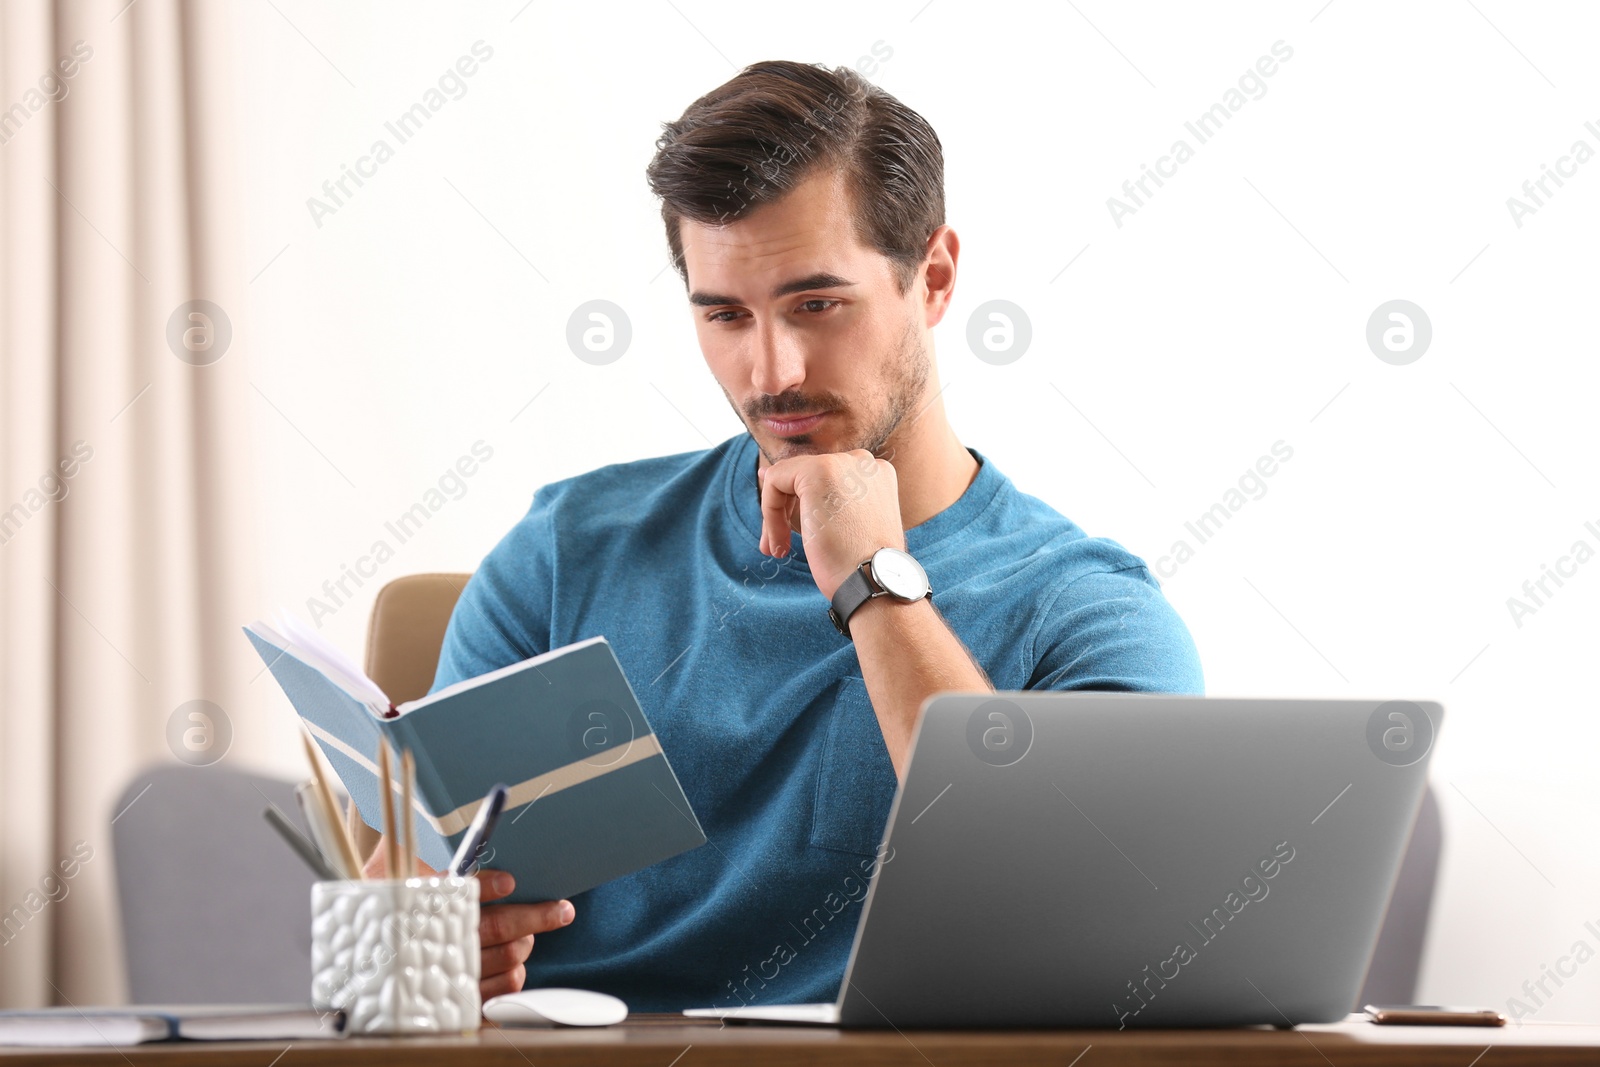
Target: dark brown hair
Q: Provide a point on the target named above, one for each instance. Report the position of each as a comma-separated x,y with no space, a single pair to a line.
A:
755,137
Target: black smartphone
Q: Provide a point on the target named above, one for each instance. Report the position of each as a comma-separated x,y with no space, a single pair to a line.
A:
1432,1015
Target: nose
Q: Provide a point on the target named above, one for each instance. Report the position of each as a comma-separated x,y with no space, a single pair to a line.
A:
779,363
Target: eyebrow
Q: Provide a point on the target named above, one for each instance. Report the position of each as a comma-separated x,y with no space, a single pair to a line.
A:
820,280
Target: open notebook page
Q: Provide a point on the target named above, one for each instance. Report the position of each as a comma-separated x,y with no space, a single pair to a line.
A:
310,648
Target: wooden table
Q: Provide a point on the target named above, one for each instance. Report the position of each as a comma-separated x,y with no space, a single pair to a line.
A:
673,1041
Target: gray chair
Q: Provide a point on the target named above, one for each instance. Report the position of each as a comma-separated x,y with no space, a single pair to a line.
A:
1392,976
215,907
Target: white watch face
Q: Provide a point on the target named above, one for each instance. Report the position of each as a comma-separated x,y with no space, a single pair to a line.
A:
899,574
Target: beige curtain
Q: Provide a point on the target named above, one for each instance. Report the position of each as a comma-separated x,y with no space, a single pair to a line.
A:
125,539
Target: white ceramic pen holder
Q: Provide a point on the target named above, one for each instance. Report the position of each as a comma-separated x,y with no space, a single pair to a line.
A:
397,957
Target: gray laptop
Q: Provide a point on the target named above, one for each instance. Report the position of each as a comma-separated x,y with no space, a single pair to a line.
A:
1111,860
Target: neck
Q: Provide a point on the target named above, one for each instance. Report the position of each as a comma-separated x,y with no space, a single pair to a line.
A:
931,466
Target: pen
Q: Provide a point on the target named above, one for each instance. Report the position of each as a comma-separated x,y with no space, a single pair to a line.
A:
297,841
478,833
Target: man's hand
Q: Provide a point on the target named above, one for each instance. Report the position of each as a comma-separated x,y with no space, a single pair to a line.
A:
505,931
844,505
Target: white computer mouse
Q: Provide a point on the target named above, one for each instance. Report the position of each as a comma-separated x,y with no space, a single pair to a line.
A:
555,1007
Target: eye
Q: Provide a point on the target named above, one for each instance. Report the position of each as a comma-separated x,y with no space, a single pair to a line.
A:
716,316
830,305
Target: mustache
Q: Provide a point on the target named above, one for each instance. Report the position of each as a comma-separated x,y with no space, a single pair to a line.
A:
779,408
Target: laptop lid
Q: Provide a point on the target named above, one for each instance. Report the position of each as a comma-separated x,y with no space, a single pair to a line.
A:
1126,859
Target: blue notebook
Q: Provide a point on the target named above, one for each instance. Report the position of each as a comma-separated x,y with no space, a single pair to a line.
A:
591,796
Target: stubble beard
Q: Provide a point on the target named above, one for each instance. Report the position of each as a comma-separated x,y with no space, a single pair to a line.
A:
910,370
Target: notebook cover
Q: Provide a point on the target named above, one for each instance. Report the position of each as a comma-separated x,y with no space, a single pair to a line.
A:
591,795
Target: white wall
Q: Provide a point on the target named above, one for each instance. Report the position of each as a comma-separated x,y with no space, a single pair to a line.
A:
1226,314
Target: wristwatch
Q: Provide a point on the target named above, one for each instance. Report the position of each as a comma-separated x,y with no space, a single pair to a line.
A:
889,572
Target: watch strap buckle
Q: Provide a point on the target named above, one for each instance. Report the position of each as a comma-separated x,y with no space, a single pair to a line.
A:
833,617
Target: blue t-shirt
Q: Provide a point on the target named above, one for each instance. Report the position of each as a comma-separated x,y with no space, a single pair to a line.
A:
759,702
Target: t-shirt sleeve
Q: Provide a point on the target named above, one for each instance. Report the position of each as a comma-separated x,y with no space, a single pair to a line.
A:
1114,630
504,613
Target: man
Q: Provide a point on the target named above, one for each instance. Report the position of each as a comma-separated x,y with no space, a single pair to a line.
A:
805,212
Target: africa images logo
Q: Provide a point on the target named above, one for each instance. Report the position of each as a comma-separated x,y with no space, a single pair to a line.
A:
1399,732
999,732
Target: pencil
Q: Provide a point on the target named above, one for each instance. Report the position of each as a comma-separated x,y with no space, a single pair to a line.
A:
408,840
346,859
352,824
391,842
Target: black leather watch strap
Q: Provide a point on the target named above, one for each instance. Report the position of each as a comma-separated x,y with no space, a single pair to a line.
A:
851,594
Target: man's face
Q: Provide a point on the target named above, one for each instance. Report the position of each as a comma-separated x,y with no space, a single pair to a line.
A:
796,317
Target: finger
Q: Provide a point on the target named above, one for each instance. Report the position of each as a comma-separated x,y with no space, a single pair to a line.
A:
507,922
498,959
378,867
761,492
778,500
499,984
493,885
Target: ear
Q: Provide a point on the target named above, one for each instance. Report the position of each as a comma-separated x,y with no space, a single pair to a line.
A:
939,273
